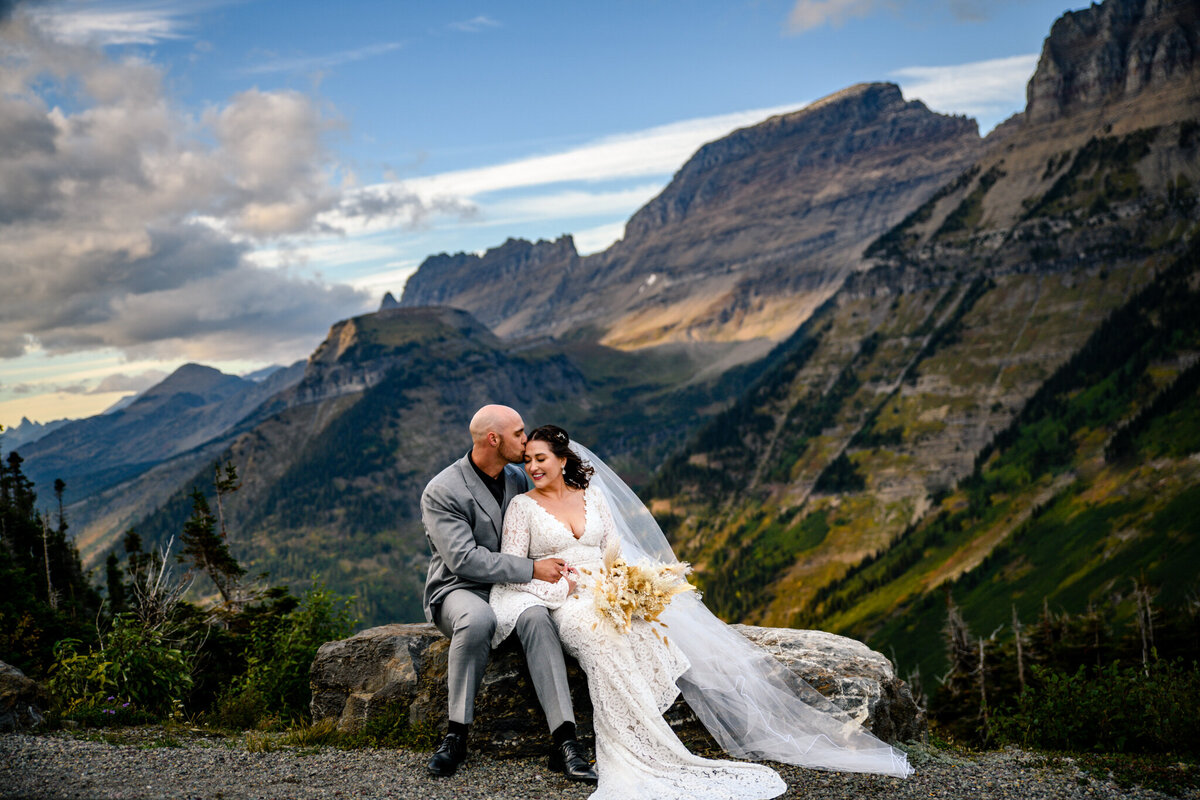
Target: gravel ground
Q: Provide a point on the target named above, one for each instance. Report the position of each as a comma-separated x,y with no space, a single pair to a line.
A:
167,764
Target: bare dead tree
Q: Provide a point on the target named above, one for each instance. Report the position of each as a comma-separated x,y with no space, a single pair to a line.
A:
51,595
981,671
1145,620
958,637
159,591
1017,635
918,691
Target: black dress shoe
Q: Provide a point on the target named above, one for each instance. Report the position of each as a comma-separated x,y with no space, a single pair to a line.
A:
568,758
450,753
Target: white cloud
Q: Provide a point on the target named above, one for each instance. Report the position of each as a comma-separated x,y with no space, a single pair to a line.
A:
572,204
324,61
336,252
983,89
120,382
99,244
655,151
474,25
116,23
809,14
389,280
593,240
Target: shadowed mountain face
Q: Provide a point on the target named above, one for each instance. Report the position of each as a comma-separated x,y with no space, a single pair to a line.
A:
754,232
189,407
978,374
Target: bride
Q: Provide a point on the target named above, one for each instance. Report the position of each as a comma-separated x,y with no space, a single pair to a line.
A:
753,705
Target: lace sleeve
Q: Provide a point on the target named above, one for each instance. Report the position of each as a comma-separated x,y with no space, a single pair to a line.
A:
515,541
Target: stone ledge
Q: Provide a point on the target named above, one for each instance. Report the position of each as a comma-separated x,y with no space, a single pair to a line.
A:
401,669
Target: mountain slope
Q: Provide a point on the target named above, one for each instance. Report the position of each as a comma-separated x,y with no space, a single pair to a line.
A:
186,409
895,388
752,234
1093,487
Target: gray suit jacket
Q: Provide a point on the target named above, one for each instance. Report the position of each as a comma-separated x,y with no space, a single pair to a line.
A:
463,525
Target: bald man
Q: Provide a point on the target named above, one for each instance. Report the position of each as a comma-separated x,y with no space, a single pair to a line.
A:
463,511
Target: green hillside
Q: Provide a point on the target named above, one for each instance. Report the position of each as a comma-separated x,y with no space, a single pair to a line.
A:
1080,518
942,422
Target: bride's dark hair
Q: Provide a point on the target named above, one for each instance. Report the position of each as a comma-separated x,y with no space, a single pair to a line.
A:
575,472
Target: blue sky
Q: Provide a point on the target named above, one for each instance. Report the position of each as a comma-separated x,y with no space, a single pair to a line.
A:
219,181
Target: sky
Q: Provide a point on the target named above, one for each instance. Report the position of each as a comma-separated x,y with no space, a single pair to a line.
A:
219,181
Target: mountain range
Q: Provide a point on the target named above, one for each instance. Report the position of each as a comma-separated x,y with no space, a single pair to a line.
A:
755,231
855,357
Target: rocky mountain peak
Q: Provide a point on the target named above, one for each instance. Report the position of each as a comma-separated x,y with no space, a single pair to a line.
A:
753,232
372,337
444,278
194,379
389,301
831,131
1112,51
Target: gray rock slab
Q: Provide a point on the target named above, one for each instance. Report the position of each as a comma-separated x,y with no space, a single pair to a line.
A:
398,672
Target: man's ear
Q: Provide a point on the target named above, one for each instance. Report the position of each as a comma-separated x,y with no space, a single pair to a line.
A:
493,438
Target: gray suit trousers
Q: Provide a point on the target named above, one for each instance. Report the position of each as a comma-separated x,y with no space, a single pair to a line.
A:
465,617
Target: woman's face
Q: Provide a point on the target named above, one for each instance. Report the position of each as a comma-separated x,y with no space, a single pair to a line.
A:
544,468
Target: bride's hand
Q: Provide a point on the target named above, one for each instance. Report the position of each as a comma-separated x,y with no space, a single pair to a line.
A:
571,586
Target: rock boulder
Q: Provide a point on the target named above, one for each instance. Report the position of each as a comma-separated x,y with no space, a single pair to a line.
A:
21,700
401,670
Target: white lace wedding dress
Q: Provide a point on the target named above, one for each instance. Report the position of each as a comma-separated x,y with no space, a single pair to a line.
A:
631,676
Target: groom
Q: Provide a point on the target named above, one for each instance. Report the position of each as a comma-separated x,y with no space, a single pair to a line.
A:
463,511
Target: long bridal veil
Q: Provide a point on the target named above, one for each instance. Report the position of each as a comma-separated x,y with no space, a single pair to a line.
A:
752,704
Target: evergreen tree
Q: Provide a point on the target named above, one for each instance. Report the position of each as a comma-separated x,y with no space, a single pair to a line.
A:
206,550
59,487
226,483
35,559
116,584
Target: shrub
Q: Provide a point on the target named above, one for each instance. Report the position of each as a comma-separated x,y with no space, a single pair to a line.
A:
132,662
275,684
1112,709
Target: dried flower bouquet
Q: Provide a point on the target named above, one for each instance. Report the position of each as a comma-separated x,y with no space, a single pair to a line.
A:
624,592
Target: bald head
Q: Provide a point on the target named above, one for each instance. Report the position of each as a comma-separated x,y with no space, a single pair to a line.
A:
493,419
498,436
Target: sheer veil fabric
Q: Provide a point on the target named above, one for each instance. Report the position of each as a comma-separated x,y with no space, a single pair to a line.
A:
754,707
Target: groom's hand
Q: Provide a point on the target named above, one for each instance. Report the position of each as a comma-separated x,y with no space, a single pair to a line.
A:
549,569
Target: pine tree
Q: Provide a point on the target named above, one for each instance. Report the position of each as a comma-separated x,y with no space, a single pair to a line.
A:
59,487
205,550
116,586
225,484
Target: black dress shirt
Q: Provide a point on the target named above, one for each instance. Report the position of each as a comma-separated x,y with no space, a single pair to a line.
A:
494,485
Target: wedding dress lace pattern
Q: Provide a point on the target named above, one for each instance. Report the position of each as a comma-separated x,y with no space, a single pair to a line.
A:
631,676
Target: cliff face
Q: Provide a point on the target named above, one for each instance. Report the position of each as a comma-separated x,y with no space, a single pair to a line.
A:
1115,50
504,288
753,233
